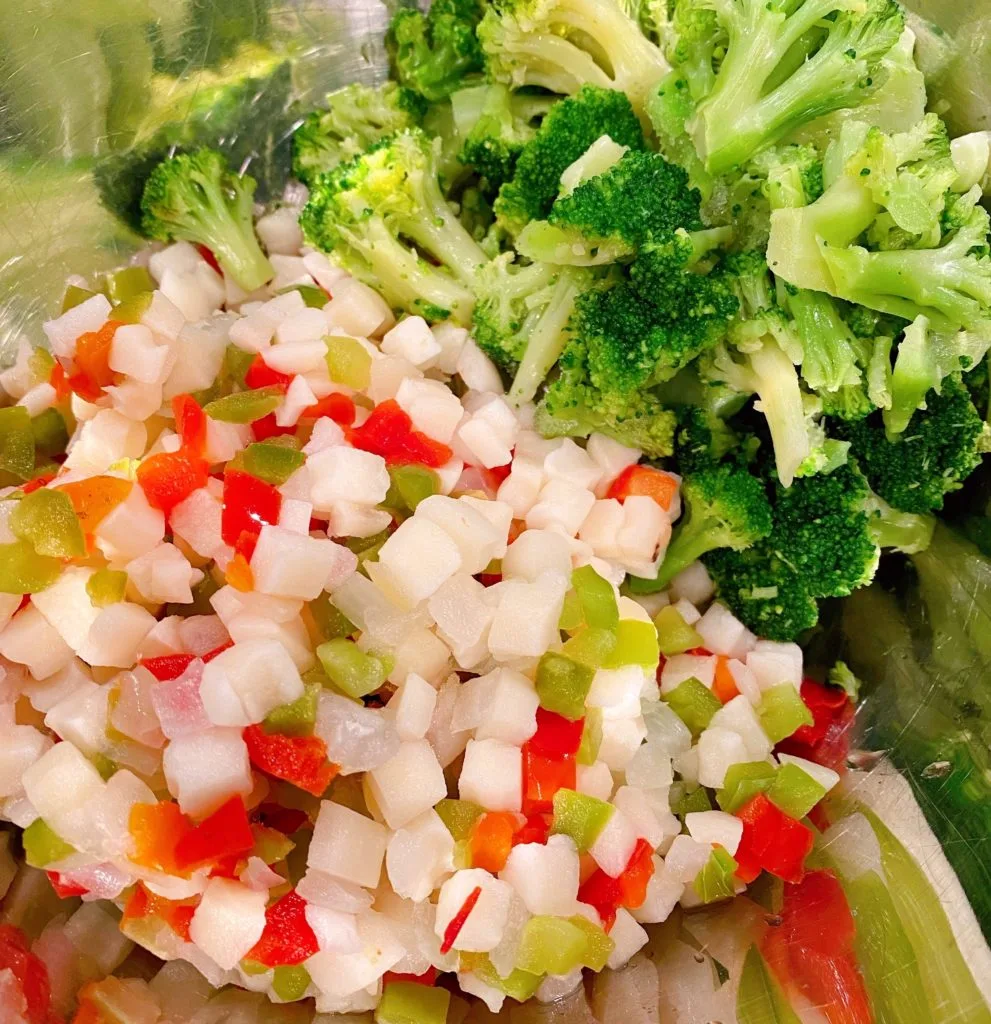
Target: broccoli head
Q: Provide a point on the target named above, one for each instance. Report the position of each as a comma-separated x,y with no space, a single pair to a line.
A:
565,134
355,117
194,197
940,448
378,212
562,45
611,215
725,507
573,406
432,53
783,65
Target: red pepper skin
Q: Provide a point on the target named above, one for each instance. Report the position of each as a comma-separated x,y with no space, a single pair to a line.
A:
261,375
248,504
556,736
65,890
812,949
827,740
301,760
340,408
286,820
225,833
37,483
29,972
772,841
190,422
266,427
177,916
389,432
428,978
207,254
170,477
603,892
543,777
453,929
287,939
607,894
536,830
167,666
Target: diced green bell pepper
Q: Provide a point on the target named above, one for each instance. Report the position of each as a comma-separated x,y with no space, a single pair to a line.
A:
518,985
330,622
24,571
51,436
572,616
43,846
597,597
253,968
563,685
75,296
782,711
106,587
104,765
591,646
133,308
599,946
350,669
271,846
636,644
691,801
759,999
409,485
41,363
297,718
124,284
715,880
406,1002
290,983
674,635
313,297
246,406
694,703
459,816
235,366
588,751
580,816
743,782
48,521
272,462
367,548
794,791
348,362
16,445
550,945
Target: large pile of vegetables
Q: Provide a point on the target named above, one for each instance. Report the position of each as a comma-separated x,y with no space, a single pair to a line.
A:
401,588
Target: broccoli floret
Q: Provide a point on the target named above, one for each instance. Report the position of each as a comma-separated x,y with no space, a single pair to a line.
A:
573,406
922,360
725,507
562,45
611,215
370,213
495,124
521,318
669,108
899,531
941,447
778,73
246,111
850,402
830,352
977,381
355,117
433,53
568,130
194,197
703,439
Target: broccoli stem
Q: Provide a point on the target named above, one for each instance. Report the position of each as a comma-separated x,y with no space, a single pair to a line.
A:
691,540
546,340
776,384
829,357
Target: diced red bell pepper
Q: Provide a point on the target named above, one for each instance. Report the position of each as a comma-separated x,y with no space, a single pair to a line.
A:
59,382
340,408
827,740
492,839
177,916
637,873
812,948
261,375
644,481
65,890
92,359
535,830
603,892
389,432
248,504
556,736
723,684
167,666
157,829
210,655
301,760
225,833
29,972
772,841
286,820
207,254
428,978
190,422
168,478
543,777
288,938
266,427
453,929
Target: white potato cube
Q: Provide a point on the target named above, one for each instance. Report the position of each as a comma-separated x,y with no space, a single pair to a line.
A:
775,663
617,691
739,716
723,633
62,786
693,584
412,707
663,893
685,858
288,564
595,780
20,747
412,339
64,331
537,551
501,705
29,639
205,769
718,750
621,739
640,811
715,827
408,784
247,681
416,560
628,938
492,775
680,667
347,474
116,635
476,537
614,845
561,504
545,875
526,618
432,406
419,856
483,927
228,921
347,845
826,777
